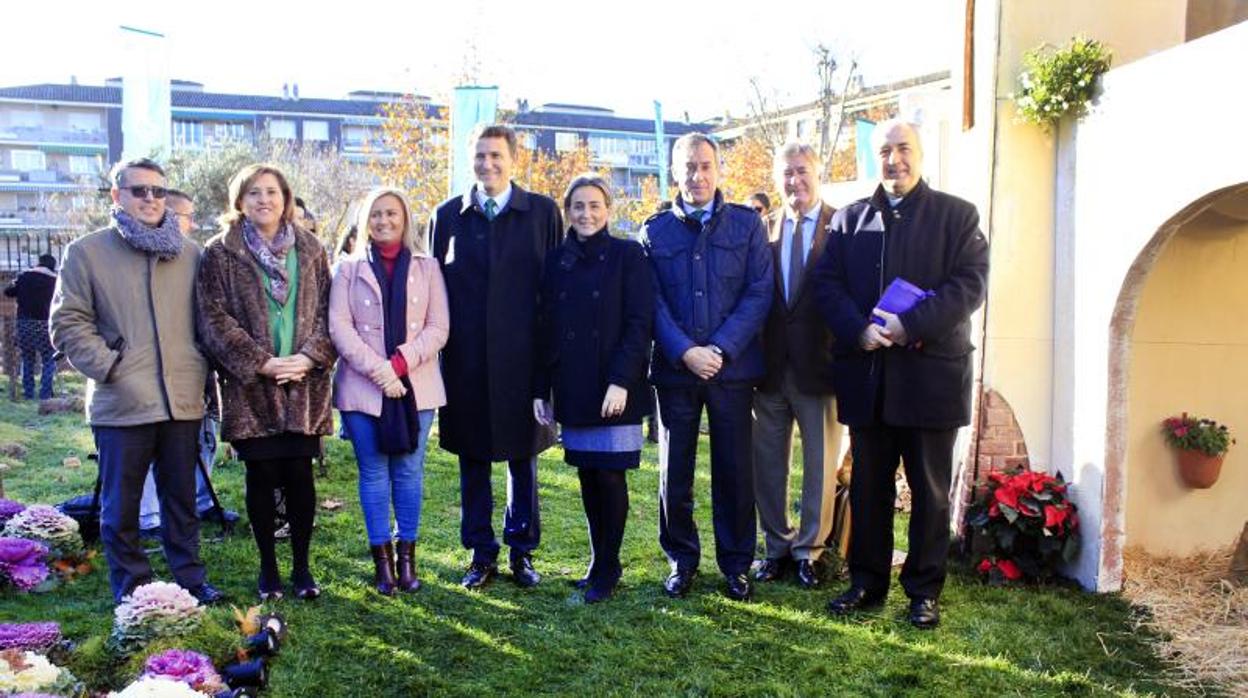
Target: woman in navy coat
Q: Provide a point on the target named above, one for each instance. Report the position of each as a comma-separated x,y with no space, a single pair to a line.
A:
594,319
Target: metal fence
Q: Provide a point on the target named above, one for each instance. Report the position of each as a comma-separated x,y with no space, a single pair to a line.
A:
20,249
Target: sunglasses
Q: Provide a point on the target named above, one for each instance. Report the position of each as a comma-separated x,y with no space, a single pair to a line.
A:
141,191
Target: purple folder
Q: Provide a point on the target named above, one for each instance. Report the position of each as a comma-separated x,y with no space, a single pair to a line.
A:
900,296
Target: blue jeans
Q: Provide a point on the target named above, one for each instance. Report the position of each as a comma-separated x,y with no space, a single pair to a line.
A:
36,350
385,478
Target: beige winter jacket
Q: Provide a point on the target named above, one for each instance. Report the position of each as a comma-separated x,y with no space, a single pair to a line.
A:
126,321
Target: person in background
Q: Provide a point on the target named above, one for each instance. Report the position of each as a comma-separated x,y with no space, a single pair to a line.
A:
136,343
761,203
388,319
595,317
182,208
33,290
303,217
263,300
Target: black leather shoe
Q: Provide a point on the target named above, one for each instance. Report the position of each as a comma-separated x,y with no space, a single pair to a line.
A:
523,574
924,613
771,569
595,594
207,594
855,599
738,587
808,573
679,582
478,575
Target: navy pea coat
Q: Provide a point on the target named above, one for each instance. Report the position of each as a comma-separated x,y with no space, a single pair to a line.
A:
596,318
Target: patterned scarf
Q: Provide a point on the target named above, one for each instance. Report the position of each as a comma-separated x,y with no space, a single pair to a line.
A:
272,256
164,241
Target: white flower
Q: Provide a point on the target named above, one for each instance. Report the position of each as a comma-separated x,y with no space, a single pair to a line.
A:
39,672
156,688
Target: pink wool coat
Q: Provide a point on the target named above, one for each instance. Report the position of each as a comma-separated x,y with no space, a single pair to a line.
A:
355,325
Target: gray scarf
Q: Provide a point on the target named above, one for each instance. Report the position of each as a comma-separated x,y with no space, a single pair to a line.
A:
164,241
272,256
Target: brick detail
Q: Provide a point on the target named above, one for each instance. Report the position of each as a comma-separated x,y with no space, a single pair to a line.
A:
1000,443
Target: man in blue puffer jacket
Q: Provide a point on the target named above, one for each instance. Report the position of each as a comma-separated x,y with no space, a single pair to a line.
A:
714,283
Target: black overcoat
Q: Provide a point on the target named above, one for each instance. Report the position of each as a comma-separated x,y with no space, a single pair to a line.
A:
932,240
492,271
596,320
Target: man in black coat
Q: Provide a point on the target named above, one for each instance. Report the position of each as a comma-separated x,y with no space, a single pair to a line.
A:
33,290
491,243
903,381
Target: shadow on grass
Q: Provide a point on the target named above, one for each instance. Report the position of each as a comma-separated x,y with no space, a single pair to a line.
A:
445,640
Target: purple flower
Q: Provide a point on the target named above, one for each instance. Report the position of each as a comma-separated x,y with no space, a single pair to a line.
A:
36,637
9,509
191,668
21,562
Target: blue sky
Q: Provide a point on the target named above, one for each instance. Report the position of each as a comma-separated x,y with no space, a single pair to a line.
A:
695,57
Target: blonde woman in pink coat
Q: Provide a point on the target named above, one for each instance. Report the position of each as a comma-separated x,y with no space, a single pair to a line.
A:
388,319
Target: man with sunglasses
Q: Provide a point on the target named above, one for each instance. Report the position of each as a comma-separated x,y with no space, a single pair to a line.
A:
123,315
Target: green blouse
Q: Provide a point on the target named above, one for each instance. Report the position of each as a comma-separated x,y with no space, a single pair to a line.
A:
282,317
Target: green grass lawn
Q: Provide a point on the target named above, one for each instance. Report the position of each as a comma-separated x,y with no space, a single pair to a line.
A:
507,641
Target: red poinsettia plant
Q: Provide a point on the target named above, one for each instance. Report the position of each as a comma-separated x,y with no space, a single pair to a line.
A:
1026,526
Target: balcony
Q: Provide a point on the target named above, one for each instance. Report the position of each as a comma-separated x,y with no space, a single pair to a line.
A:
44,135
30,180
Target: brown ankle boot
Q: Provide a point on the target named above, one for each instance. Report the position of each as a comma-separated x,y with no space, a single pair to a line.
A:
407,566
383,563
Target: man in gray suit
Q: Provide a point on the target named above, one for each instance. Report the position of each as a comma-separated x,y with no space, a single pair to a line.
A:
798,383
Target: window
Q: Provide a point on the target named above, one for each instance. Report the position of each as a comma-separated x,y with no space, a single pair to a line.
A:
282,128
527,139
229,132
84,122
188,134
28,160
356,136
83,164
316,130
565,141
25,119
603,146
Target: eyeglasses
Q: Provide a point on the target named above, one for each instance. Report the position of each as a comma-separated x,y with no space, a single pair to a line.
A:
141,191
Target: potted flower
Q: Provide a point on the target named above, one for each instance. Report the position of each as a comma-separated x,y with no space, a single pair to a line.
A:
1202,445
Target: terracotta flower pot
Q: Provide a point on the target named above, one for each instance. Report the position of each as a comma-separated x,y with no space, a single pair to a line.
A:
1198,469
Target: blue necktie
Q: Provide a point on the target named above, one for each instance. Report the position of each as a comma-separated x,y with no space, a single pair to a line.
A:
490,212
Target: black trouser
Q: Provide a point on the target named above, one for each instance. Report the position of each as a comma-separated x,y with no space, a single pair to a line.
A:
171,449
522,526
294,477
605,496
927,455
732,474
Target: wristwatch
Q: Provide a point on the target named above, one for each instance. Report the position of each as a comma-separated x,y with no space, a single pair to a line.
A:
715,348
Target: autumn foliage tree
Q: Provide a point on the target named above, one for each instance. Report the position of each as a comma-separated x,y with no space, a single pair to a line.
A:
419,154
747,168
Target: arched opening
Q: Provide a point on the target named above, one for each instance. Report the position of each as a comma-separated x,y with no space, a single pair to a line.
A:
1178,342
